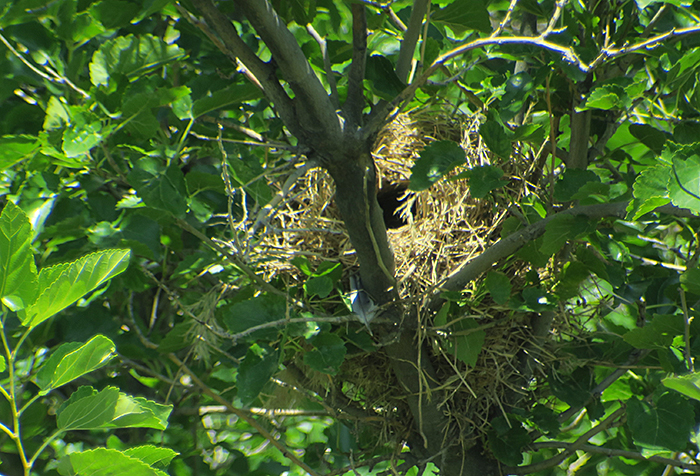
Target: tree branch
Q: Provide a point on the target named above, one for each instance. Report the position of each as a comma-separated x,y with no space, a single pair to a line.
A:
410,38
355,102
571,448
235,49
609,452
568,54
314,109
330,77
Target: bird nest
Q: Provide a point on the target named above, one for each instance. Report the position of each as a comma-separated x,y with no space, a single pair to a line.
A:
432,233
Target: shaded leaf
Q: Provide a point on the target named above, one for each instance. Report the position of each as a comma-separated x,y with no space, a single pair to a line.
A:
222,98
499,286
463,15
483,179
496,138
684,184
571,182
254,312
253,373
665,424
563,228
650,190
328,353
435,160
165,191
657,334
386,84
649,136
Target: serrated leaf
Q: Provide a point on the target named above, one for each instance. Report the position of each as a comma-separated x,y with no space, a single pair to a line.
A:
88,409
62,285
463,15
386,84
665,424
106,462
18,276
328,353
684,184
80,138
563,228
606,97
131,56
499,286
571,182
254,312
649,136
650,190
234,94
688,385
690,279
507,440
496,138
72,360
483,179
253,373
164,191
152,455
16,148
657,334
435,160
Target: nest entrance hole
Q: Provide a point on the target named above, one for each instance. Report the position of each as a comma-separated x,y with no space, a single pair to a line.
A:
391,197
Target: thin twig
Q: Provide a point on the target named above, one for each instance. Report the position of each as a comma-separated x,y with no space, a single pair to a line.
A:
243,415
330,76
610,452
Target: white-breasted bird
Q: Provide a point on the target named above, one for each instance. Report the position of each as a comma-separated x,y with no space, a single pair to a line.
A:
362,304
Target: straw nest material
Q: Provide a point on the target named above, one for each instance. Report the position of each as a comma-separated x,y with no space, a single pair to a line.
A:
444,228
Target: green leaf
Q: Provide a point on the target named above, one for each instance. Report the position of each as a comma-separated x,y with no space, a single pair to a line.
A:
80,138
483,179
464,341
320,286
114,13
690,279
650,190
665,424
657,334
496,138
131,56
385,83
546,420
571,182
518,89
88,409
649,136
254,312
606,97
152,455
62,285
303,11
162,190
253,373
499,286
14,149
18,275
684,184
435,160
198,182
3,366
688,385
573,389
507,439
234,94
176,339
105,462
72,360
328,353
563,228
463,15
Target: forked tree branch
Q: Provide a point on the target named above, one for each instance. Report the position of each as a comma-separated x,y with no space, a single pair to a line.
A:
314,108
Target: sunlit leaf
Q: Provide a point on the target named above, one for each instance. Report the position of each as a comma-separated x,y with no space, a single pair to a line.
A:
18,275
72,360
107,462
62,285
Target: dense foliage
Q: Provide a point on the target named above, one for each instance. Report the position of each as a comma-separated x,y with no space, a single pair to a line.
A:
147,147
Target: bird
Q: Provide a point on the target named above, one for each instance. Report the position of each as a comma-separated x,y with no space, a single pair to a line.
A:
362,304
